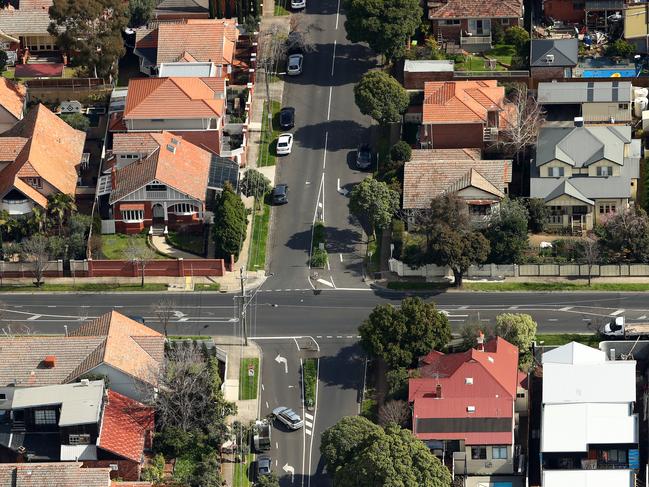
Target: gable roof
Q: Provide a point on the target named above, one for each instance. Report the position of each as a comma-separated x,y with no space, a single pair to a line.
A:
565,52
177,8
566,187
32,17
175,98
12,97
428,175
62,474
464,9
186,169
573,353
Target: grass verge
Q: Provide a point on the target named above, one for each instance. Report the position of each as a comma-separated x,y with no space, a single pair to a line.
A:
240,474
257,251
310,377
247,382
552,339
373,257
213,286
416,285
89,287
556,286
267,145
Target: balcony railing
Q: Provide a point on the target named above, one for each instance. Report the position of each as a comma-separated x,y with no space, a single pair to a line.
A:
17,207
475,39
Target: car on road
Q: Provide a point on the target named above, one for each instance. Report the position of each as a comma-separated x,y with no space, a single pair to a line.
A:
298,4
263,465
294,64
364,156
280,194
287,118
288,417
284,144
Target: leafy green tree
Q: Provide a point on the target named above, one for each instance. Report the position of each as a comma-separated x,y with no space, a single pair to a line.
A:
92,30
401,335
254,183
77,121
230,224
520,330
507,232
620,48
625,236
396,458
539,214
207,473
140,12
516,36
268,481
155,471
386,25
373,202
401,152
381,97
343,440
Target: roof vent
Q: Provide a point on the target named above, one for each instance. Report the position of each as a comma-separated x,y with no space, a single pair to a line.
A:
549,58
468,381
49,361
174,141
579,121
470,409
491,359
438,391
171,148
85,382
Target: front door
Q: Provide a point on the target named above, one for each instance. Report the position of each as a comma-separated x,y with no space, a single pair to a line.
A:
158,215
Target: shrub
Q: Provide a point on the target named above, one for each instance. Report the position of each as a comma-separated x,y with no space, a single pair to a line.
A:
155,471
516,36
400,152
309,376
319,258
398,229
230,224
620,48
77,121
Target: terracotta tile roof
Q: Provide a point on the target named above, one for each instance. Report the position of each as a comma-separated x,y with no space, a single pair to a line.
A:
12,97
205,139
10,147
461,101
426,177
64,474
53,151
125,426
486,380
449,154
175,98
130,142
186,169
477,9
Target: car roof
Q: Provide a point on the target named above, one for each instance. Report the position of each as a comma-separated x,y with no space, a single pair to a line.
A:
296,56
263,459
280,189
288,109
279,409
285,136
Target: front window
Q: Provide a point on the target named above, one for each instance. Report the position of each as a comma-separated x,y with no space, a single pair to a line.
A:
45,416
156,187
79,439
479,210
605,171
478,453
34,182
133,215
450,22
184,209
606,208
480,27
499,452
556,172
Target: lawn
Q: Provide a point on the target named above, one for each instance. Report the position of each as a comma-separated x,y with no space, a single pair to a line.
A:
552,339
257,251
268,142
475,63
240,476
373,258
113,246
188,242
416,285
503,53
280,8
247,382
555,286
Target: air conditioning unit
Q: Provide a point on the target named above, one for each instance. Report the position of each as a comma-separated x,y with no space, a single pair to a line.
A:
549,58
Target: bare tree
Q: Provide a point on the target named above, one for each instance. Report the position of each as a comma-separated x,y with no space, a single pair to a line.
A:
164,310
35,250
591,255
139,254
394,412
522,122
271,50
299,35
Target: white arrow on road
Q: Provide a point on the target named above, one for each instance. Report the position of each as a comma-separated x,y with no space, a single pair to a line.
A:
288,469
178,314
342,191
282,360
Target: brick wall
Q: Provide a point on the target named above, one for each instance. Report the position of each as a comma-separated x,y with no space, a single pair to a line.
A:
563,10
155,268
53,268
453,136
415,81
547,74
126,469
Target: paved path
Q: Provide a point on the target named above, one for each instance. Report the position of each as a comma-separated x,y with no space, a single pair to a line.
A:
161,245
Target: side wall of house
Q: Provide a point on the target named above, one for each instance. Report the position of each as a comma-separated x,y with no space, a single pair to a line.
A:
452,135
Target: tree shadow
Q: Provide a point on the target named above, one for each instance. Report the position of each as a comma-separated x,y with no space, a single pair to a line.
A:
342,240
343,135
300,241
345,369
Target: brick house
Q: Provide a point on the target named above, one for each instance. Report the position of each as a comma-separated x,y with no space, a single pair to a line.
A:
552,59
13,99
463,114
69,474
569,11
181,9
469,23
23,26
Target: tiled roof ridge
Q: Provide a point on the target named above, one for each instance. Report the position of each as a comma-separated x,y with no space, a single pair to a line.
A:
93,359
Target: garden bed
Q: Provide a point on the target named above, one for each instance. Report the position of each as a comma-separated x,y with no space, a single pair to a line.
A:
310,379
319,255
247,382
113,247
187,241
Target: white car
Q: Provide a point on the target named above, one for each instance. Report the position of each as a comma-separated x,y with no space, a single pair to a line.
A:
284,144
298,4
294,64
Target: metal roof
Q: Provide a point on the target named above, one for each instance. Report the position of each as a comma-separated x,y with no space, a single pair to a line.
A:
584,92
187,70
565,52
428,66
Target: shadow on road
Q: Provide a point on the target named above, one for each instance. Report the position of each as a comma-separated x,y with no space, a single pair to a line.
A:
345,369
342,135
343,240
300,241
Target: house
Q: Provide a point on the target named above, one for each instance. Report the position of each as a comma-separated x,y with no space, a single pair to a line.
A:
636,25
594,101
181,9
13,99
210,40
431,173
82,421
23,26
602,14
461,114
589,429
553,58
69,474
469,23
128,353
39,156
417,71
568,11
463,407
584,173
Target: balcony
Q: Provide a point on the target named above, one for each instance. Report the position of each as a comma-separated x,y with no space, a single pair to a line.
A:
475,42
17,207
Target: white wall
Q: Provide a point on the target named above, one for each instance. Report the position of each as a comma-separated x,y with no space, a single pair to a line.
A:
123,383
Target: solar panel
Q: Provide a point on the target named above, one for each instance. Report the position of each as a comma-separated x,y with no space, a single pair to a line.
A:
223,170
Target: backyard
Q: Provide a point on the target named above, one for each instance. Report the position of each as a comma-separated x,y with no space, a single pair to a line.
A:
502,53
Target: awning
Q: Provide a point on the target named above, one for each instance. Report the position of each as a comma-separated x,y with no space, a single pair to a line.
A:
131,206
481,202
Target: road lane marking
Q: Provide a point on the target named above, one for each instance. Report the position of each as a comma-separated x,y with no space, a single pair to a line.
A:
553,319
51,306
618,312
333,59
341,257
463,307
262,388
566,308
309,424
325,282
328,265
307,431
34,318
267,406
513,307
308,416
329,107
337,14
643,317
307,182
324,158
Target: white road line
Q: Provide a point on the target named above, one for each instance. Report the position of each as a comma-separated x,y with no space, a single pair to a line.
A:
52,306
277,445
184,319
553,319
309,424
319,336
328,265
262,388
341,257
566,308
643,317
329,107
585,319
461,321
333,59
324,157
308,416
267,406
463,307
308,432
332,281
339,336
513,307
325,282
34,318
618,312
329,336
350,336
337,14
307,182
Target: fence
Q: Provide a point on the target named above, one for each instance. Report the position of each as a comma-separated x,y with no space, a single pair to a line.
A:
53,268
154,268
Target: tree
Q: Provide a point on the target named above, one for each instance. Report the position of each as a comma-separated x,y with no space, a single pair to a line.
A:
538,212
396,412
77,121
230,224
141,11
401,335
401,152
521,125
38,219
591,255
625,235
139,254
271,49
164,310
92,30
395,458
507,232
207,472
518,329
470,331
155,471
349,435
620,48
270,480
299,38
516,36
36,252
381,97
374,203
386,25
255,184
59,207
4,59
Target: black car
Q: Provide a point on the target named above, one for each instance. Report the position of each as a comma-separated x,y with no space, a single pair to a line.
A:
364,156
287,118
280,194
263,465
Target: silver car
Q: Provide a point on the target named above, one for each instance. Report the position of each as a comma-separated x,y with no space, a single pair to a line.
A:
294,64
288,417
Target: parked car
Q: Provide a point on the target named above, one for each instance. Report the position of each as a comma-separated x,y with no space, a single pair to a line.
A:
364,156
288,417
298,4
263,465
284,144
294,64
280,194
287,118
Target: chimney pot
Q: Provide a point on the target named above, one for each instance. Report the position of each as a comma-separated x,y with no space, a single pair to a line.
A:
438,391
480,340
49,361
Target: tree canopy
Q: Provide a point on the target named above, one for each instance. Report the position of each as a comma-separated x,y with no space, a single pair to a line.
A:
625,236
255,184
77,121
507,232
349,435
374,202
520,330
381,97
401,335
386,25
230,224
140,12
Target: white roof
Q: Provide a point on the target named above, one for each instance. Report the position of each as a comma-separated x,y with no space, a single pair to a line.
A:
428,66
78,452
573,353
187,70
587,478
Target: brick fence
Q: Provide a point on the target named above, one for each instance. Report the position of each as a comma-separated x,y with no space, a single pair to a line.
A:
155,268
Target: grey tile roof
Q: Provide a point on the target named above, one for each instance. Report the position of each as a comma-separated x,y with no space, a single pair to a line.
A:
584,92
179,7
32,19
66,474
564,187
591,188
564,52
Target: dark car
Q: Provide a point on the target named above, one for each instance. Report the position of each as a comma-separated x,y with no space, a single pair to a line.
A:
287,118
263,465
280,194
364,156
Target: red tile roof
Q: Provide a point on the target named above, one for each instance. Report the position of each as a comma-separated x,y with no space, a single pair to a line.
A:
63,474
204,40
494,375
125,426
12,97
478,9
177,98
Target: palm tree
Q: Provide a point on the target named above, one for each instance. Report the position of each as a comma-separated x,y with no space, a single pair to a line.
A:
59,206
38,218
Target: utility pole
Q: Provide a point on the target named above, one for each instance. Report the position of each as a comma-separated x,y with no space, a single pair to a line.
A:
242,314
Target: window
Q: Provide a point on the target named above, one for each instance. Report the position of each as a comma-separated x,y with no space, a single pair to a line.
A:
449,22
480,27
157,119
156,187
578,5
479,209
132,215
213,123
184,208
79,439
478,453
605,171
504,22
35,182
45,416
556,172
520,395
499,452
606,208
613,456
623,106
468,381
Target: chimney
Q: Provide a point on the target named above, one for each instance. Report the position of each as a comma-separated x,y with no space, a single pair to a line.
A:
480,340
113,177
49,361
438,391
579,121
